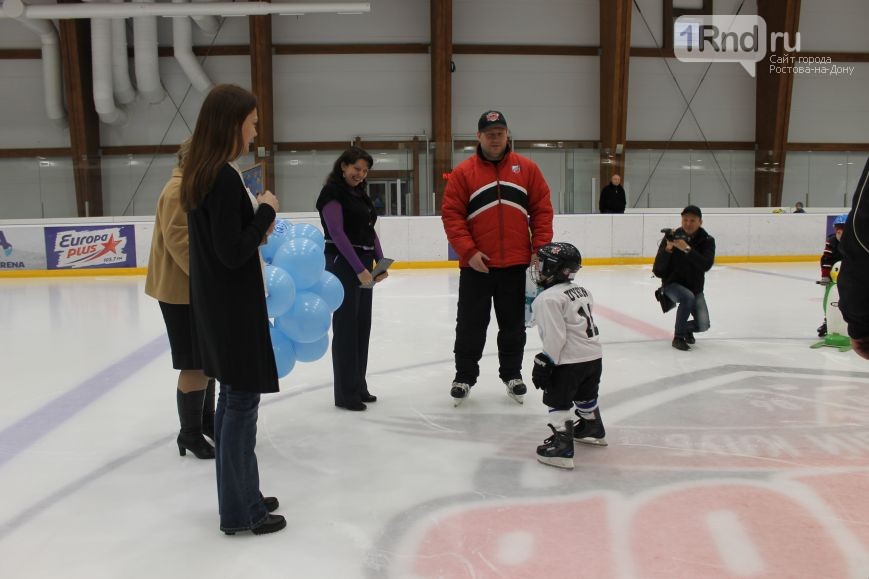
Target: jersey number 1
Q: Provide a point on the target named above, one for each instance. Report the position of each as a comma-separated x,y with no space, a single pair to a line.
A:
590,329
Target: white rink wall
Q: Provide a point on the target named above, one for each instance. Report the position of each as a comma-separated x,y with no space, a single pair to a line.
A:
749,233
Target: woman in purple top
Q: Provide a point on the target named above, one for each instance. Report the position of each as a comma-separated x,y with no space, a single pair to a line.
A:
348,216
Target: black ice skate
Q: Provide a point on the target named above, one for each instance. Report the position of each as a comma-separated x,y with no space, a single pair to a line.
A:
516,389
557,450
590,431
459,392
822,330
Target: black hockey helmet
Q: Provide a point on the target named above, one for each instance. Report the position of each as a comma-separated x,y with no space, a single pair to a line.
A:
557,262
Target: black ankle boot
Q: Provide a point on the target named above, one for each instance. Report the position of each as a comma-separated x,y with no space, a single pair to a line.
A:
208,411
190,414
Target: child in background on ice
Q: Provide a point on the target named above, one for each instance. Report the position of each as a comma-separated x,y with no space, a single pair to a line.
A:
568,369
829,258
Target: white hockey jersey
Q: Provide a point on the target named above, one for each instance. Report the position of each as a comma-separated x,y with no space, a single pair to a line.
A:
563,315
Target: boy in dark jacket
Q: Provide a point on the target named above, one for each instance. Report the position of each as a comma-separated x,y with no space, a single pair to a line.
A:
684,257
829,258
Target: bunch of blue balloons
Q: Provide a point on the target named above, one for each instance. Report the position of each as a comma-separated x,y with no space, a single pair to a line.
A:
301,294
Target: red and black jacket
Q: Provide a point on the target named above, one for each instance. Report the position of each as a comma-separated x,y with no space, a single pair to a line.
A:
489,207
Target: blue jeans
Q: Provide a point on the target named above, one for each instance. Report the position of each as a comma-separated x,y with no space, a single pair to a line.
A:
238,495
690,304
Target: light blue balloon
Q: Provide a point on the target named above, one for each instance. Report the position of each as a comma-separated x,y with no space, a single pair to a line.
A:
283,231
285,353
302,259
330,289
308,231
313,351
308,320
282,291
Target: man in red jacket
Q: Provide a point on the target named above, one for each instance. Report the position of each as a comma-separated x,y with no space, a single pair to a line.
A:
496,213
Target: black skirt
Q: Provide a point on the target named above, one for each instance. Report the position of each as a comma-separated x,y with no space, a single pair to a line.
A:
178,325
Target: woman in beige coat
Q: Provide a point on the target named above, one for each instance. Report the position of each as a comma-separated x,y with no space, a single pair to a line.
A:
169,283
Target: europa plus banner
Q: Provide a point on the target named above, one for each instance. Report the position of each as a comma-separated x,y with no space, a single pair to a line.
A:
90,246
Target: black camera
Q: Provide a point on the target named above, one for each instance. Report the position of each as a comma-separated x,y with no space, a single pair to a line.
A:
671,234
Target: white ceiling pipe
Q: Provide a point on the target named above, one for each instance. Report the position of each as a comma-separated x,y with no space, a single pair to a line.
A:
124,91
182,42
16,8
145,58
208,24
52,76
101,62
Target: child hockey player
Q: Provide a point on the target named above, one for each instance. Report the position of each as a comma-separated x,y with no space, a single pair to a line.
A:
830,256
569,367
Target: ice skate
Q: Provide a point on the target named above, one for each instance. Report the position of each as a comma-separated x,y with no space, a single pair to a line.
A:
516,389
557,450
459,392
590,431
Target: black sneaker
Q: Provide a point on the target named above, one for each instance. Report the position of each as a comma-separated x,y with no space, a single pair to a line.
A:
689,338
271,503
680,344
590,431
557,450
271,524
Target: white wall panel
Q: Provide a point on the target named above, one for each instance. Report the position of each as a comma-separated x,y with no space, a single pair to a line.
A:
647,34
332,98
834,25
552,97
724,105
22,117
647,29
36,188
827,108
151,124
822,179
397,231
399,21
13,34
300,176
573,22
132,184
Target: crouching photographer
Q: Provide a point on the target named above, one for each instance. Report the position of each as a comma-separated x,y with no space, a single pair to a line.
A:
684,256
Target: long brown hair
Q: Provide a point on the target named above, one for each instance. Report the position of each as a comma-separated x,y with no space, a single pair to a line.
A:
216,140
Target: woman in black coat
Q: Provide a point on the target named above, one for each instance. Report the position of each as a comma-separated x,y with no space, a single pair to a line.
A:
226,225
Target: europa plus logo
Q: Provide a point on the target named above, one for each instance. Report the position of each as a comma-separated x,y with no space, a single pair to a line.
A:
728,38
90,246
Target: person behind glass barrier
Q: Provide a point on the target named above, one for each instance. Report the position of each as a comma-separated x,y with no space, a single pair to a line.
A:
612,197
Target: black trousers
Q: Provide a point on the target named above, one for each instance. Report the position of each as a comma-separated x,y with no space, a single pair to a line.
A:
477,291
351,330
573,383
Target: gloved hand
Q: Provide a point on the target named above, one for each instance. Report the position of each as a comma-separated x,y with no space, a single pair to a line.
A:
542,373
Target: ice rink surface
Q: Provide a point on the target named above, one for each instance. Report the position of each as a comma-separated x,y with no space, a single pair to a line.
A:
746,457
